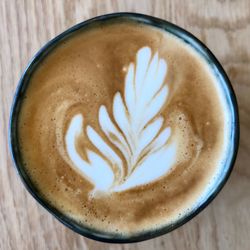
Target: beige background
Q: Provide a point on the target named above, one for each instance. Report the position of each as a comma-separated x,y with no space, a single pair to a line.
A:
224,25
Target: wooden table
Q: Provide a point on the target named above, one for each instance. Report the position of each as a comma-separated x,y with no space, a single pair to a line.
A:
223,25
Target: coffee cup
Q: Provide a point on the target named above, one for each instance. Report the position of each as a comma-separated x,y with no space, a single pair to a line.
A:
124,127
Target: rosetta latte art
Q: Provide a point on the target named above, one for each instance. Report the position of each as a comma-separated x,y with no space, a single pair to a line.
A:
136,130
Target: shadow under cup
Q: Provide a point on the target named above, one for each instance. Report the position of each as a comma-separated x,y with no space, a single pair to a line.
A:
214,66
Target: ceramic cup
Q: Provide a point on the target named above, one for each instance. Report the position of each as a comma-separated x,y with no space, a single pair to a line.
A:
151,21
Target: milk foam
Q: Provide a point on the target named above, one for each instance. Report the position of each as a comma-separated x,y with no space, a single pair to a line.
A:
77,113
138,131
222,161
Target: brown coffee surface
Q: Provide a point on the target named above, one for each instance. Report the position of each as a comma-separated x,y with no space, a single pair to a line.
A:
84,72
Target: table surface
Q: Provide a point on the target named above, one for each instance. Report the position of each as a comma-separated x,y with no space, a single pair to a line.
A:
223,25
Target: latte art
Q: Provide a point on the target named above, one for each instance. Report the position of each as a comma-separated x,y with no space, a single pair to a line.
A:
123,128
137,131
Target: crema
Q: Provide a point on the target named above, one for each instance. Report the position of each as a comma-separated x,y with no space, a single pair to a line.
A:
123,127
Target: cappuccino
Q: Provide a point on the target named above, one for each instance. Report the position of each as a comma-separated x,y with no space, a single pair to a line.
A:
123,128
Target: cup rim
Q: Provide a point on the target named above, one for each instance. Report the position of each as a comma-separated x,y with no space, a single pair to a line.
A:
12,130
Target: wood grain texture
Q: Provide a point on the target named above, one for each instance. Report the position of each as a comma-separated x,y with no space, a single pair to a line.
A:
224,25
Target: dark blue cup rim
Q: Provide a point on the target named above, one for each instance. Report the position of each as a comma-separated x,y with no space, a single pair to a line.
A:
20,92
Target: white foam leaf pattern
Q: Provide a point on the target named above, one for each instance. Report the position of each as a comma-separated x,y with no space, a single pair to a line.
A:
112,132
135,129
150,131
94,169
